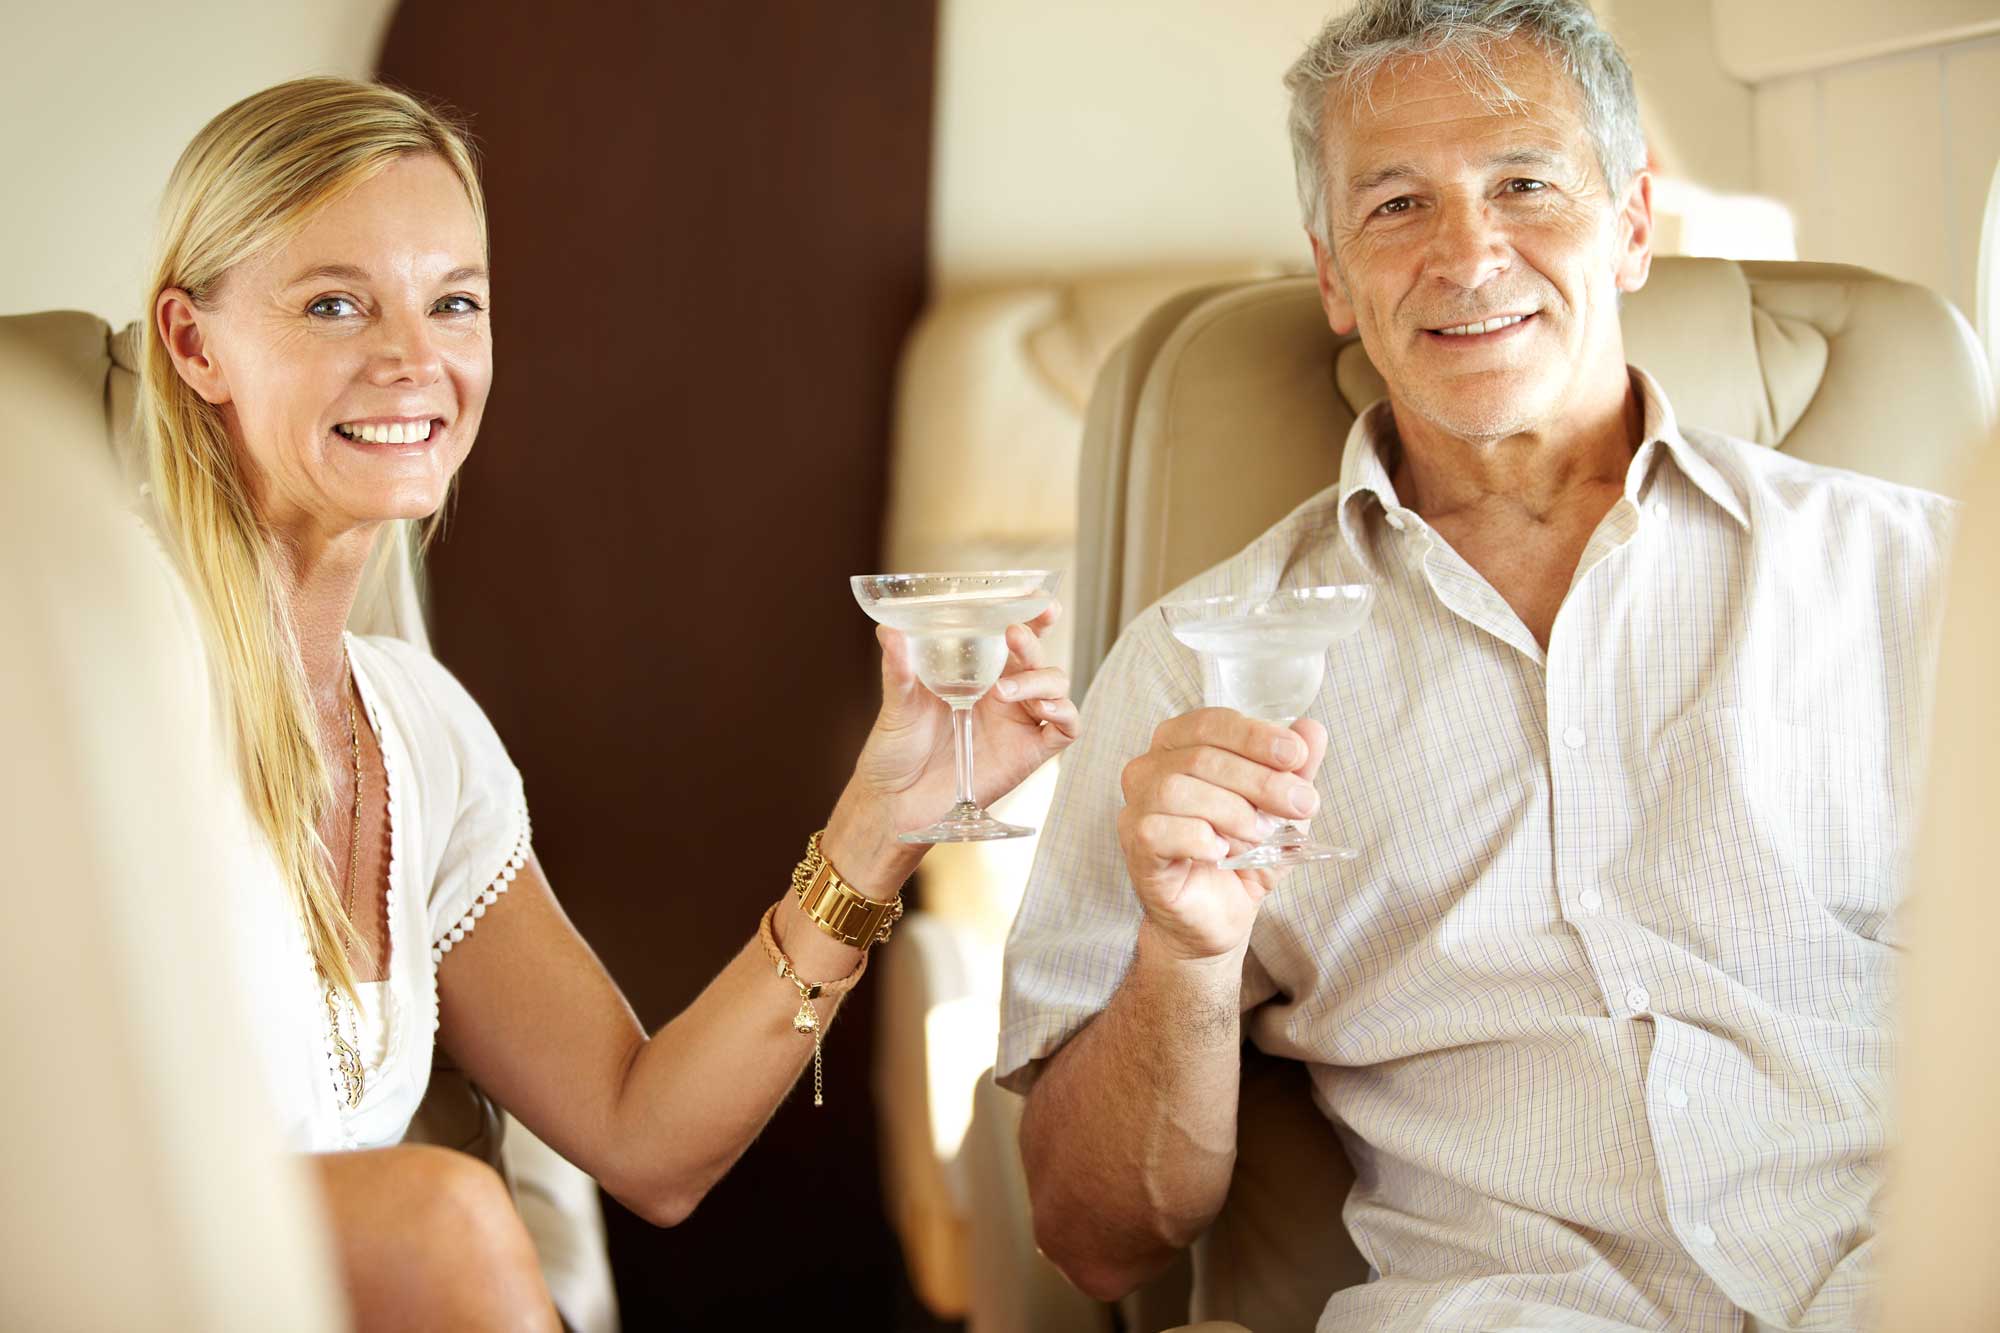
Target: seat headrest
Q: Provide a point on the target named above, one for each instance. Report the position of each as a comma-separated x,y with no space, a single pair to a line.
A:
1744,349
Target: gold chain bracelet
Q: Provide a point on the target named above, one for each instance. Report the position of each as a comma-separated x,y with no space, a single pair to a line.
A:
807,1020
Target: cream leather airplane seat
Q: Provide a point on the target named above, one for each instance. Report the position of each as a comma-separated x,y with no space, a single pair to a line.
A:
1229,406
74,382
145,1186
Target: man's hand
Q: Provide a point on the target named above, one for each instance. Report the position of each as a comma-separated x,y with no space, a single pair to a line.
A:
1213,782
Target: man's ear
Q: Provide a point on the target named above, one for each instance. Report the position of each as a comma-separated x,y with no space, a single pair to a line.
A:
1333,297
187,342
1635,221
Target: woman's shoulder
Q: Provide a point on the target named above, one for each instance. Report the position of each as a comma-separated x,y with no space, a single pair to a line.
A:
430,704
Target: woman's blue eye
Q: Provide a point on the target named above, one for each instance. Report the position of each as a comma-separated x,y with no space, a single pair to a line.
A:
457,305
329,307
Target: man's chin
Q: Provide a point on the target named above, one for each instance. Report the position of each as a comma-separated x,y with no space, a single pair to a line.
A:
1481,416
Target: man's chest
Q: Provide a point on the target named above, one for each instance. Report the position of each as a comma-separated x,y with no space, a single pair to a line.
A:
1675,778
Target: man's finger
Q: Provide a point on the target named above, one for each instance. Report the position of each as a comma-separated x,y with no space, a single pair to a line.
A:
1227,729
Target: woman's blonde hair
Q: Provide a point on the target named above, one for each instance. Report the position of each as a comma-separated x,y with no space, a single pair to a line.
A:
251,179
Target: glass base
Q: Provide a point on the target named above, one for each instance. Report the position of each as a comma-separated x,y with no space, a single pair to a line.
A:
1269,856
965,823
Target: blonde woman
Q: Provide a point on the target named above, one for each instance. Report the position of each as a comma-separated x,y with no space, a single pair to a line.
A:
315,366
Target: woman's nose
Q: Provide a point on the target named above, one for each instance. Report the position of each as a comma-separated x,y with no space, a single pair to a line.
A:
406,351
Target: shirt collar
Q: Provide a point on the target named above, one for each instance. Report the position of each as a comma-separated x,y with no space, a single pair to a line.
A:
1364,469
1658,425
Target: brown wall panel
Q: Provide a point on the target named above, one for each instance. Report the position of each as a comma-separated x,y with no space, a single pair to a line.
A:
708,226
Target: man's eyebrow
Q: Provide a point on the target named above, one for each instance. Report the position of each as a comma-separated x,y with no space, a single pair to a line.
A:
1394,171
1369,180
350,273
1526,157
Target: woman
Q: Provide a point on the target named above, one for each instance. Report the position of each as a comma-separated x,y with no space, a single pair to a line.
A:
314,371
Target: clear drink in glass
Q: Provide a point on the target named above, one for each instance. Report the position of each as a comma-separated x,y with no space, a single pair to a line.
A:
957,626
1265,657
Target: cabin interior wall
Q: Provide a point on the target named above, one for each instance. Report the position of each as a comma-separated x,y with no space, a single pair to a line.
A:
97,102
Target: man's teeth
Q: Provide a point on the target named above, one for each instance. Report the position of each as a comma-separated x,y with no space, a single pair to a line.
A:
1487,326
396,432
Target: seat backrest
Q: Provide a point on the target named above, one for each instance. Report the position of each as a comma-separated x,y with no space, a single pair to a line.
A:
145,1183
1835,364
77,369
1230,405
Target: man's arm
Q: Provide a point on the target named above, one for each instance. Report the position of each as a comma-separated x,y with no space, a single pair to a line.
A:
1129,1136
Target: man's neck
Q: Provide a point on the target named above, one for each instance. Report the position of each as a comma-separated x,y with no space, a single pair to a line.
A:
1439,474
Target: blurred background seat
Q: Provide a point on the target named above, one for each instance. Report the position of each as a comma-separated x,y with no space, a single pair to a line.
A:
69,382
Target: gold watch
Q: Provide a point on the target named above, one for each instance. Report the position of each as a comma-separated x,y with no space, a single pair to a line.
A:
852,918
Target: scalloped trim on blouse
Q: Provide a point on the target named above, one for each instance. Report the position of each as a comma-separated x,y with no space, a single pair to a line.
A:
491,894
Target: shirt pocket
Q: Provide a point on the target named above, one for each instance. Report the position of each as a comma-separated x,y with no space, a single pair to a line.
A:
1766,827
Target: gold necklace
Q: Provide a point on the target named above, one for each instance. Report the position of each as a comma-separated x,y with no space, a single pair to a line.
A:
351,1075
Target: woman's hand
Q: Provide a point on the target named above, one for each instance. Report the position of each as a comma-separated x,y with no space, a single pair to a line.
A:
906,775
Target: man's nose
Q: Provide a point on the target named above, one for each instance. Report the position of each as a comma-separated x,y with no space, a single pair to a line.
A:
1467,244
406,351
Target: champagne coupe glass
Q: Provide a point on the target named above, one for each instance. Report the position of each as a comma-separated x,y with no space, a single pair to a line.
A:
957,625
1264,656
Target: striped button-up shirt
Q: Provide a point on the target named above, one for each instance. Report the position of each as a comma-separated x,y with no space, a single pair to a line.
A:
1602,1010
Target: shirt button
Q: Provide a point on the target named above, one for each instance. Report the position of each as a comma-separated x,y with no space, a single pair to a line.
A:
1637,1000
1702,1233
1659,509
1677,1098
1396,522
1590,900
1573,738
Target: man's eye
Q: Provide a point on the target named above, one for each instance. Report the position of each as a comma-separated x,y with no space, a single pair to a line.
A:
1400,204
457,305
332,307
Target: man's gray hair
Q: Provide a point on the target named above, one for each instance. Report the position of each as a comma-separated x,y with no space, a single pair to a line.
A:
1353,47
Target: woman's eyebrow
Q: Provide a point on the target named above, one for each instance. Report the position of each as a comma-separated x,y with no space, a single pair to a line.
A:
341,272
350,273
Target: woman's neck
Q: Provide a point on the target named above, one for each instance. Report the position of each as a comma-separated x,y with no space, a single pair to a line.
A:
322,578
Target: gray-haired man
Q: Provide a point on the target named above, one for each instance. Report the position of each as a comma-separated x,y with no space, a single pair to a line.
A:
1601,1014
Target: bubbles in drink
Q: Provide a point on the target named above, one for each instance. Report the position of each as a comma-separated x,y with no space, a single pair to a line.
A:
958,639
959,667
1263,666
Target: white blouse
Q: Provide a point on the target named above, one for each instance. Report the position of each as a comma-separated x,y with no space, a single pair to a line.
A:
458,832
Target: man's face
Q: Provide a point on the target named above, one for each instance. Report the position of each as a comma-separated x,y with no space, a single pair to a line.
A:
1448,210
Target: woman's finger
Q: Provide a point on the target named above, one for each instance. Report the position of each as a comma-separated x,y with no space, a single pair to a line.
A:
1023,647
1060,714
1041,623
1046,683
899,672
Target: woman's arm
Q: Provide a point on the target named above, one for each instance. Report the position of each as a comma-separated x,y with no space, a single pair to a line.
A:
527,1010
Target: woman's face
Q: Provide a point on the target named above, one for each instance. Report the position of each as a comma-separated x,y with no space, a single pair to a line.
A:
352,363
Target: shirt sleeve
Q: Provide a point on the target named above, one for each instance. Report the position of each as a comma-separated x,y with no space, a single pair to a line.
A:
489,834
1073,938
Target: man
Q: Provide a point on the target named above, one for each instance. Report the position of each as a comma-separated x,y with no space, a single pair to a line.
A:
1628,748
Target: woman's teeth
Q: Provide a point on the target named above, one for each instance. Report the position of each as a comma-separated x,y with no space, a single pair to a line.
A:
397,432
1487,326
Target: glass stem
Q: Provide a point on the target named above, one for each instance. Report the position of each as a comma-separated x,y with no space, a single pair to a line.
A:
961,735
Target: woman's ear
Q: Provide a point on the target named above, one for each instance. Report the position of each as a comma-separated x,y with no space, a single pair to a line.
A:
187,342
